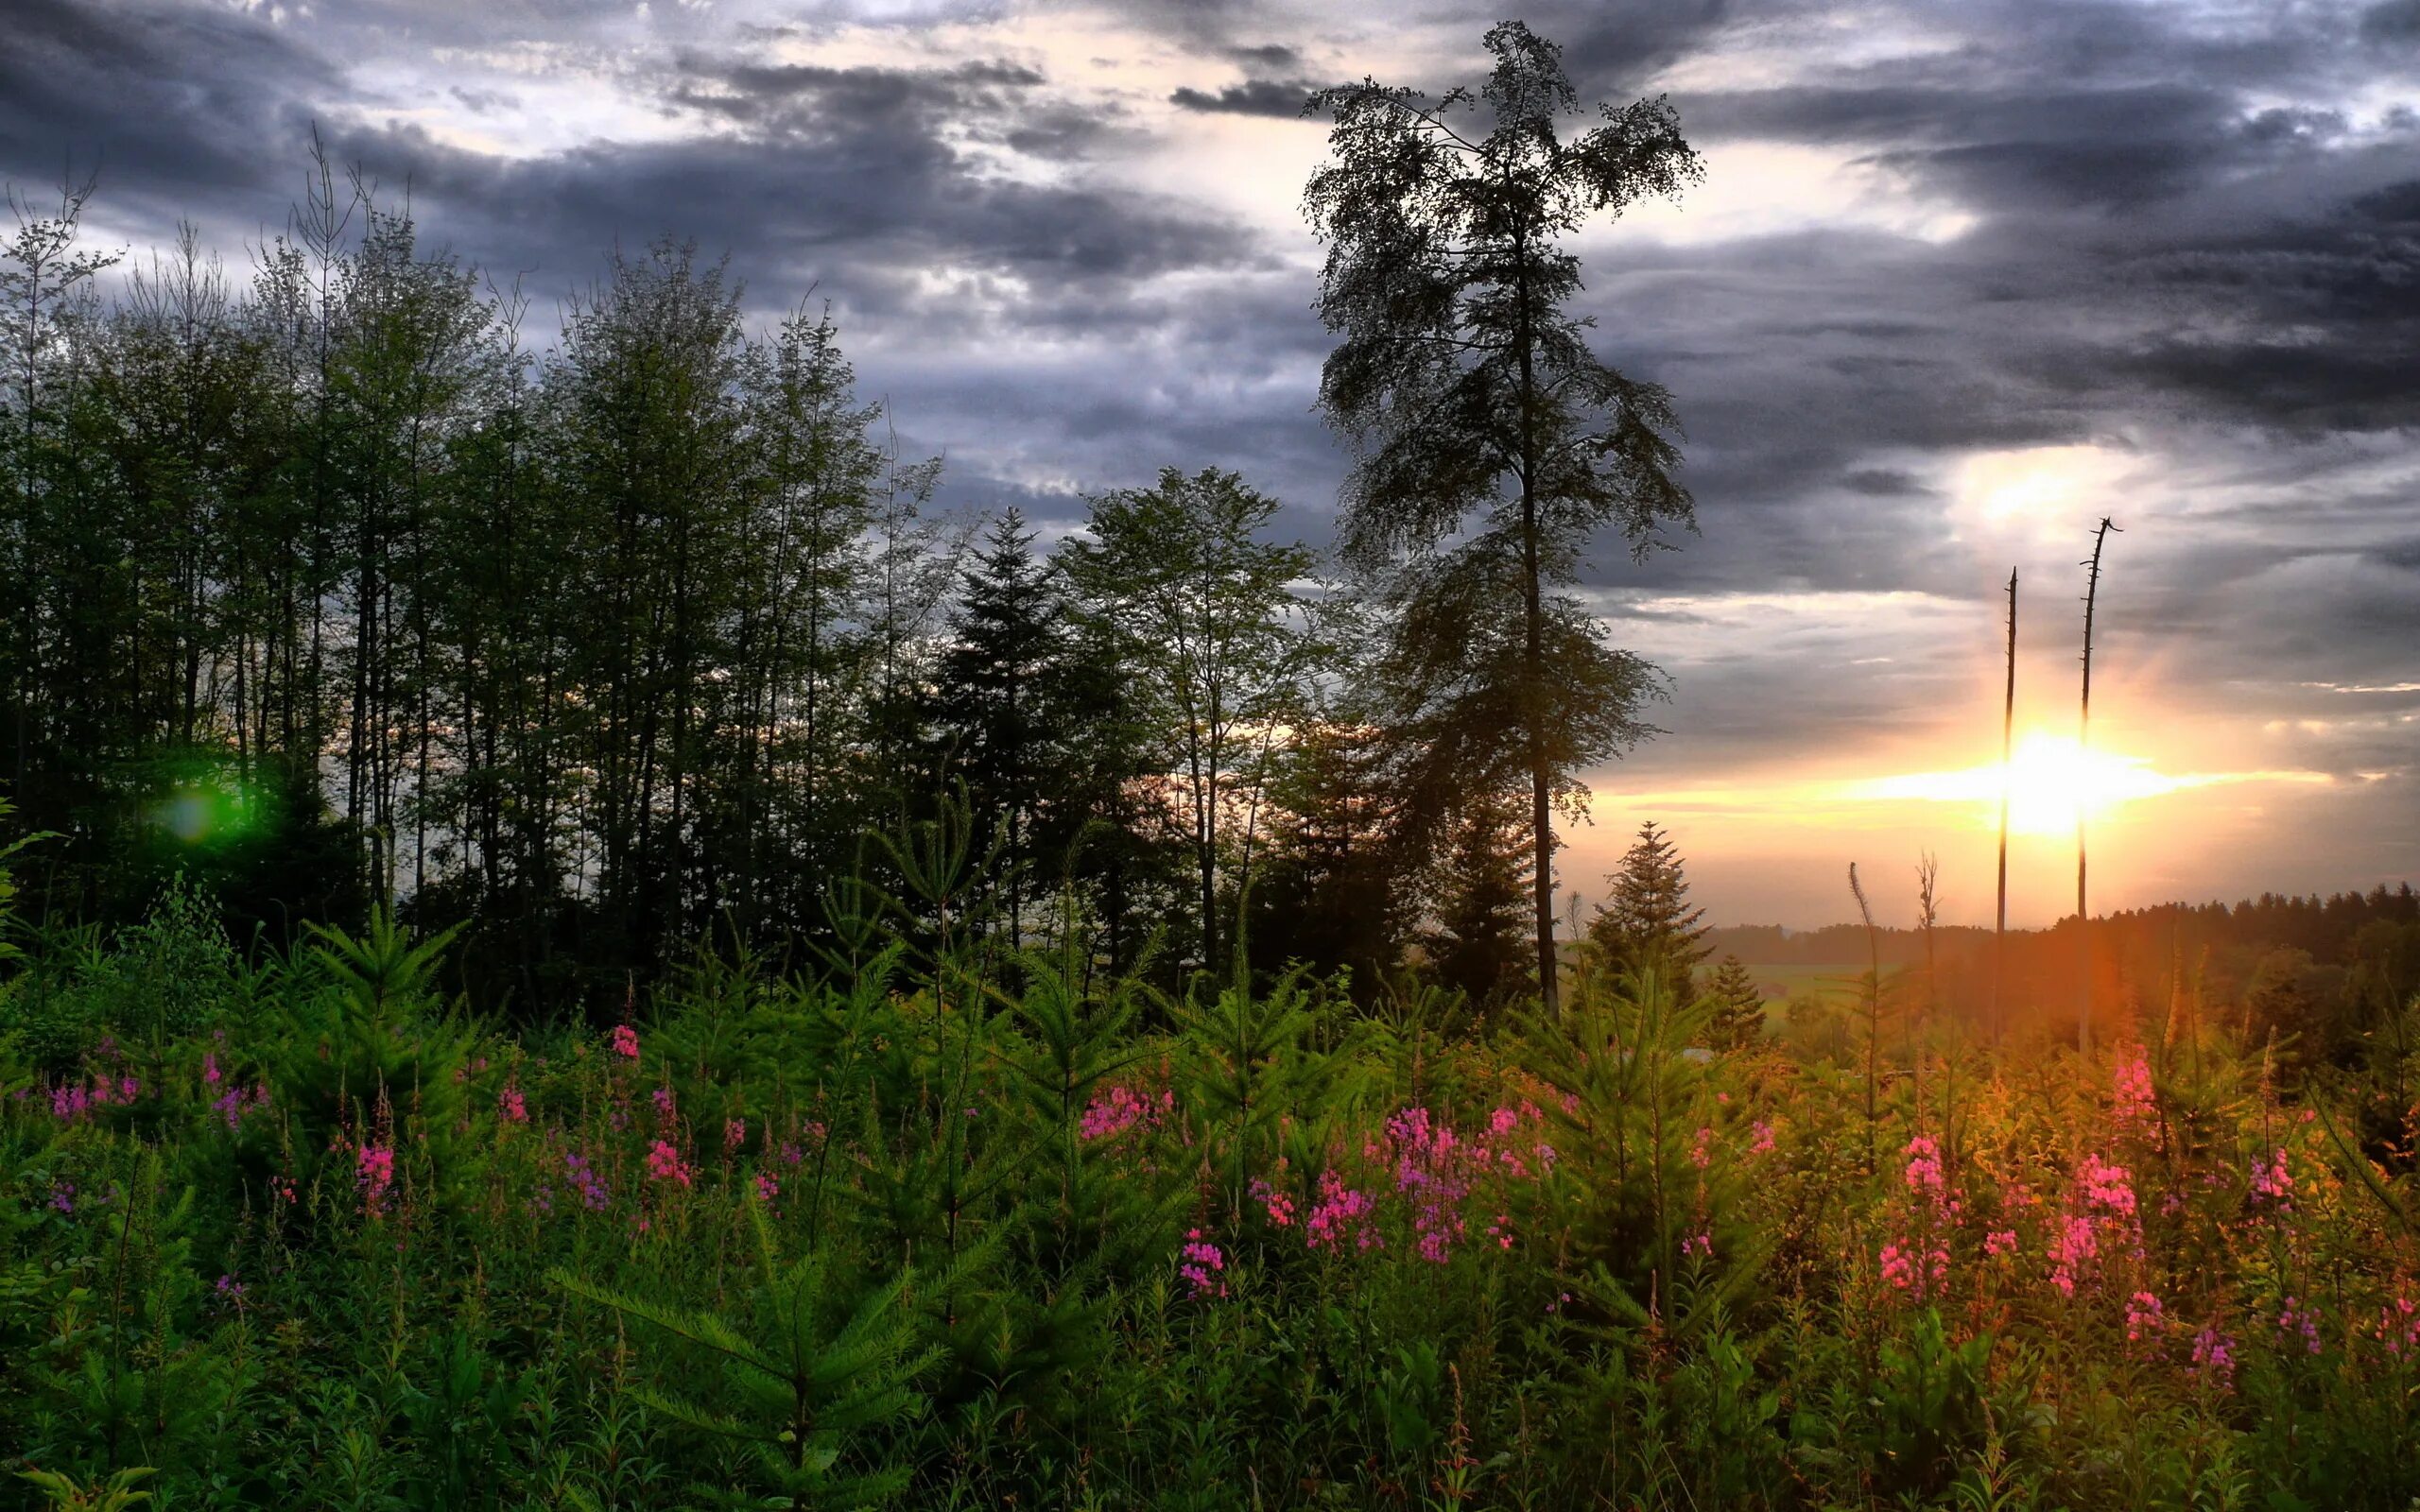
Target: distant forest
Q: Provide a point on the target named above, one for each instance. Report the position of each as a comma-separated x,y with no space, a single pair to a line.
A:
2327,968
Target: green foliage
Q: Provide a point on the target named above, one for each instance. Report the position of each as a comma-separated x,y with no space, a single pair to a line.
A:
807,1371
946,1222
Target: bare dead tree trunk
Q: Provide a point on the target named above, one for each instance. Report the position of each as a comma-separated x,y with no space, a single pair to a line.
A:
2008,740
1872,1010
2084,744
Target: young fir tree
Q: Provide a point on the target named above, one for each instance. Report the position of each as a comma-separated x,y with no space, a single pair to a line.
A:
991,708
1479,939
1736,1013
1648,924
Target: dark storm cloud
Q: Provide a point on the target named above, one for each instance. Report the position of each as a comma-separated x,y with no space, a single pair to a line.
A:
173,103
2392,21
1284,99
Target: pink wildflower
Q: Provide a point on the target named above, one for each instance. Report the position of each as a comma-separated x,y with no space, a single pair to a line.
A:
1113,1112
1340,1213
2297,1317
374,1174
734,1133
2143,1317
1201,1262
594,1194
2131,1102
1279,1205
511,1106
2273,1182
1923,1174
664,1163
2399,1327
626,1041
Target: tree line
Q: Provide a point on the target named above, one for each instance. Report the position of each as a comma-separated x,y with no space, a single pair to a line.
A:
328,589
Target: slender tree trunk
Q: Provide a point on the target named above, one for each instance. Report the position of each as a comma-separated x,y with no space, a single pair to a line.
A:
2084,744
2008,739
1873,1013
1534,673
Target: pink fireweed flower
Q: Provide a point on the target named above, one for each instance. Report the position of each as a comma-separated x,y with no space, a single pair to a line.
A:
511,1106
2299,1318
1200,1263
2399,1327
2143,1319
626,1041
210,1067
1701,1148
1113,1112
1915,1271
734,1134
767,1187
2131,1101
1700,1244
2213,1359
593,1194
664,1163
2272,1183
2000,1242
2107,1186
234,1103
1763,1141
63,1196
665,1110
1277,1203
374,1174
1340,1213
2073,1246
1923,1174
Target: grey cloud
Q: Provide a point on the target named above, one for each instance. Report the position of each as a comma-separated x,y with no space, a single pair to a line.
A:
2392,21
1253,97
1884,483
173,102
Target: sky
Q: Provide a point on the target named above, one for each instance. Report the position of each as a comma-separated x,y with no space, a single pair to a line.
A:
1962,278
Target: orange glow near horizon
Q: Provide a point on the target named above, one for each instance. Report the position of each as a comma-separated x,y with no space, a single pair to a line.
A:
2051,780
1759,837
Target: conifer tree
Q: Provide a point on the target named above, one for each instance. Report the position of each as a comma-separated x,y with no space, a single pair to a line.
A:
1736,1006
1479,941
992,705
1647,923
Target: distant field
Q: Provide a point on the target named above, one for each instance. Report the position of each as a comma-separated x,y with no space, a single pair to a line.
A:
1780,983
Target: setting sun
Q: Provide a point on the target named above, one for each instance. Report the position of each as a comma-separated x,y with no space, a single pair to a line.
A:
2048,780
